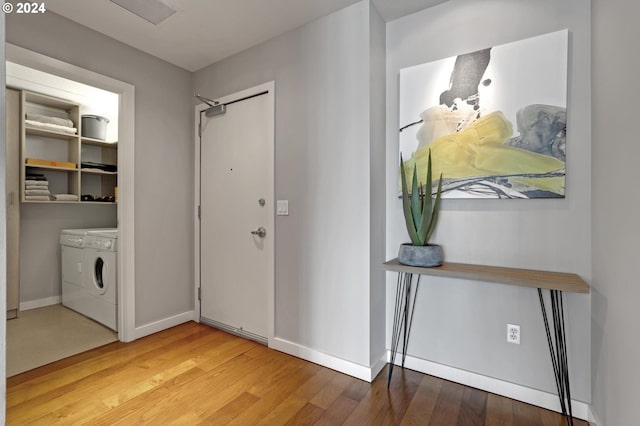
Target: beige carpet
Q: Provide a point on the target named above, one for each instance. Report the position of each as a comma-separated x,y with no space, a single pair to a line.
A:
41,336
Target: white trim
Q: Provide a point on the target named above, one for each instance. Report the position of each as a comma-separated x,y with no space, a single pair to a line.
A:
40,303
377,368
510,390
3,239
270,87
271,161
126,216
196,204
594,420
163,324
347,367
126,162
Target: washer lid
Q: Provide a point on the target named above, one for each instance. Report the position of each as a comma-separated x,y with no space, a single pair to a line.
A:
105,233
82,232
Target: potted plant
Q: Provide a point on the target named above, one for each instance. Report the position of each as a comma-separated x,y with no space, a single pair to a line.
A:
421,210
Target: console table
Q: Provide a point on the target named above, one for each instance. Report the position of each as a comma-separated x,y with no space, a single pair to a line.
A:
555,282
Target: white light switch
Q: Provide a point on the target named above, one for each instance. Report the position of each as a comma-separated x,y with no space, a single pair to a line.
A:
282,207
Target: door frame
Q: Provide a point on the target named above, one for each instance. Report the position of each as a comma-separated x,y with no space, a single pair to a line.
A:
126,161
270,88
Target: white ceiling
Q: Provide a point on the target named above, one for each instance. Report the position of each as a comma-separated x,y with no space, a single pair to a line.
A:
205,31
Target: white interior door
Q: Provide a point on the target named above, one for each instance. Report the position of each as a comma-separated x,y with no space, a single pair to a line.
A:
236,198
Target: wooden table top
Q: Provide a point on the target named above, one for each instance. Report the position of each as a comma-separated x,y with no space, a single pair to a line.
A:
496,274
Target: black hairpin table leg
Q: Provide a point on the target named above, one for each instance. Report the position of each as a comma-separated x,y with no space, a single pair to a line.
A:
558,350
402,317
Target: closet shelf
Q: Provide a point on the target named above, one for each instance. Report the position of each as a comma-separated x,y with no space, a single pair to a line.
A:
98,172
35,131
60,169
99,142
49,202
48,146
98,202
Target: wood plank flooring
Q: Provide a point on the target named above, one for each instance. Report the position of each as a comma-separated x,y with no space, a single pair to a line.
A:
193,374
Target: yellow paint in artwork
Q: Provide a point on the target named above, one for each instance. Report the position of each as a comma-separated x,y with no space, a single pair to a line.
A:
479,150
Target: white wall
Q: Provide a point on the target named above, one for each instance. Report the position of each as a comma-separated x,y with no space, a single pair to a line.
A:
462,324
615,352
163,153
323,157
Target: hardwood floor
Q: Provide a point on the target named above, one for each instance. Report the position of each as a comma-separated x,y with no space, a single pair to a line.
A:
193,374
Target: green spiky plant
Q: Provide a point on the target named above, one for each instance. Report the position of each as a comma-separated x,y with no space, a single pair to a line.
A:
420,208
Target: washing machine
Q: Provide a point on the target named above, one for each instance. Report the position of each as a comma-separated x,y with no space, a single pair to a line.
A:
100,278
72,265
89,285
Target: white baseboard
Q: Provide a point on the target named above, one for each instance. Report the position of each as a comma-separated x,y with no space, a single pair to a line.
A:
40,303
510,390
594,420
377,368
347,367
163,324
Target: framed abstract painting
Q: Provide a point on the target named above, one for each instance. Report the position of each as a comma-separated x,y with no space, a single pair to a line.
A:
494,120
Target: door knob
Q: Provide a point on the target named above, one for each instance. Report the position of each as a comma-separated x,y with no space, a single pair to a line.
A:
260,232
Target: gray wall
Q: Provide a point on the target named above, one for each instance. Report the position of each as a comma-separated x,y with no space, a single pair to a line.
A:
40,226
163,150
615,313
323,151
463,323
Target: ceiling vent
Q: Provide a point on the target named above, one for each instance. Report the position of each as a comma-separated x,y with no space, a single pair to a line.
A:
150,10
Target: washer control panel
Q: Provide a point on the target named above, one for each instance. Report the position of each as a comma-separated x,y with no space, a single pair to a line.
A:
100,243
72,240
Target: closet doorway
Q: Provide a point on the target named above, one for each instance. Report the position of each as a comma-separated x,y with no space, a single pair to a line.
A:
124,216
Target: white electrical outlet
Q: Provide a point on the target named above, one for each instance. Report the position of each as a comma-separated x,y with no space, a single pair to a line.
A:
513,334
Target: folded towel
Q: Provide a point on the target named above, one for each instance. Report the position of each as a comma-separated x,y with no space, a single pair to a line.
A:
65,197
31,182
36,176
54,127
36,188
36,192
37,198
50,120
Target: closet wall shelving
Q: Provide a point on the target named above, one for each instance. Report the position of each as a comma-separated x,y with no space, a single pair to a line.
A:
59,155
